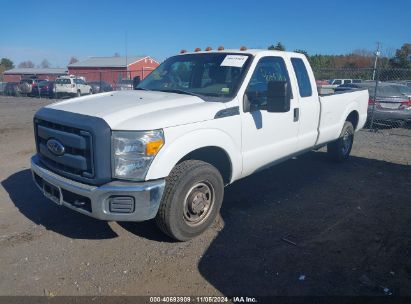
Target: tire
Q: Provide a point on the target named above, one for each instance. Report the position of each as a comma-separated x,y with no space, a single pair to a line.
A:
340,149
191,201
90,92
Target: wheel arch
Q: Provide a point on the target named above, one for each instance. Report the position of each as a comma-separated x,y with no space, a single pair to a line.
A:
354,118
219,149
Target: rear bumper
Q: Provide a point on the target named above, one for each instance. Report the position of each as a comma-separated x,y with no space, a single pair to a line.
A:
114,201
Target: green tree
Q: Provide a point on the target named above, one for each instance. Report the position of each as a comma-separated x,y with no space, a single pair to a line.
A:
6,63
402,57
278,47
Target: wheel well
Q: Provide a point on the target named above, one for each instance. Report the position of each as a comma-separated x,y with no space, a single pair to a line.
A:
214,156
353,118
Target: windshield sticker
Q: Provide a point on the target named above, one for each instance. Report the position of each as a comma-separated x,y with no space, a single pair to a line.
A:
225,90
234,61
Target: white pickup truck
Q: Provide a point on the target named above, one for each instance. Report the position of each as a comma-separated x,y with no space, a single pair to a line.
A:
200,121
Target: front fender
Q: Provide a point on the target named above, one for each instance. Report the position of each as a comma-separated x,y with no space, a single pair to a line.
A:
179,144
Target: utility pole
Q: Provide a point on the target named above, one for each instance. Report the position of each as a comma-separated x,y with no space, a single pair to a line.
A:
377,54
126,55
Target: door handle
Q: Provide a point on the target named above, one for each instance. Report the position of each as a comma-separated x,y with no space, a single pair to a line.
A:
296,114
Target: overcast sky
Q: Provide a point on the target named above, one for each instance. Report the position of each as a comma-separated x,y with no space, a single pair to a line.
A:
57,30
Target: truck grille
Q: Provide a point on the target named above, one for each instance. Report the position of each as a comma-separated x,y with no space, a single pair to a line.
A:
77,159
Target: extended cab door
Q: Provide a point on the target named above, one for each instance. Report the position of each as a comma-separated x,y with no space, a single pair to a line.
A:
309,104
267,137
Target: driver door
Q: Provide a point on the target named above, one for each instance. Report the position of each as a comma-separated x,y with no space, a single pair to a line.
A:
267,137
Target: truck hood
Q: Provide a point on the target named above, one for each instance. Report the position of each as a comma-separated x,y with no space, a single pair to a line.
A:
142,110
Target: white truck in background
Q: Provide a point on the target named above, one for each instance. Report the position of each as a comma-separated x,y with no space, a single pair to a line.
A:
200,121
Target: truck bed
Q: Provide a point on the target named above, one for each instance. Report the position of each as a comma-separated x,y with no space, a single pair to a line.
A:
335,108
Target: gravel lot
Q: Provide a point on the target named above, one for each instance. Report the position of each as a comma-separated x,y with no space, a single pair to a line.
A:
305,227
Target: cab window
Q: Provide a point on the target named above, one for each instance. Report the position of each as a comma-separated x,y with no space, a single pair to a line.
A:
268,69
303,80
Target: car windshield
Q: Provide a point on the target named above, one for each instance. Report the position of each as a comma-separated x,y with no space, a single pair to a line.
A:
207,75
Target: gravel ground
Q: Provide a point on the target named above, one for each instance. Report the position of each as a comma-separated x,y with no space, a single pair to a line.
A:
305,227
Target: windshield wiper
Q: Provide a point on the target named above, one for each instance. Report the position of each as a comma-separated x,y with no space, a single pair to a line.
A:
182,92
142,89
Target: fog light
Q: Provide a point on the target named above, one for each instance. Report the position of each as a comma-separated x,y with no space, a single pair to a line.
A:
121,204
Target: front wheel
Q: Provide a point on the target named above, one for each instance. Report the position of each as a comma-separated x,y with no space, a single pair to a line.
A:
78,93
191,201
340,149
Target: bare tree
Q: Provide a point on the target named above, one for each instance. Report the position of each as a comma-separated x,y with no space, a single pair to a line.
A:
73,60
45,64
26,64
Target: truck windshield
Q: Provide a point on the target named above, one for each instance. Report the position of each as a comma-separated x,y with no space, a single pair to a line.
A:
210,76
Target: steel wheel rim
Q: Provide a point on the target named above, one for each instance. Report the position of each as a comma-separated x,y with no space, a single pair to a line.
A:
198,203
347,141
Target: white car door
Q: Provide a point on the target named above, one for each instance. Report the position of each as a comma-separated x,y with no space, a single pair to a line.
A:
267,137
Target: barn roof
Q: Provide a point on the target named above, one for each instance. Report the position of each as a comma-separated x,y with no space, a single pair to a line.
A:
36,71
106,62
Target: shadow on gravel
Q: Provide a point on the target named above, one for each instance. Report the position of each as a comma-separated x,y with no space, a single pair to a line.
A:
312,227
31,202
148,230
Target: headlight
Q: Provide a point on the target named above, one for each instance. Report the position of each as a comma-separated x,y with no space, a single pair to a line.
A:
133,152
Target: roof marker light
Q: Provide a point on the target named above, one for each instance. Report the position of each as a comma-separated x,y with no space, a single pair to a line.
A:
183,51
220,48
197,50
243,48
209,48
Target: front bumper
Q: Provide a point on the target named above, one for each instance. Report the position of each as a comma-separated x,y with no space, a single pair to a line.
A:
114,201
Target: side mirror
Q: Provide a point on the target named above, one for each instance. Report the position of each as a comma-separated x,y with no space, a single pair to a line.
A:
136,82
278,97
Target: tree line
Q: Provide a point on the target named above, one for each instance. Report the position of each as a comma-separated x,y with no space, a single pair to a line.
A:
357,59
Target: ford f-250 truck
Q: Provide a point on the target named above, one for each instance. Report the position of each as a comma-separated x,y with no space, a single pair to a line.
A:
200,121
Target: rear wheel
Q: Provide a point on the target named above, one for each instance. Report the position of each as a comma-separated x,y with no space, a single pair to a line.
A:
78,93
191,200
90,92
339,150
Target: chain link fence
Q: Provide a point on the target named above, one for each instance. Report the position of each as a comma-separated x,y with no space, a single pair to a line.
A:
112,80
389,105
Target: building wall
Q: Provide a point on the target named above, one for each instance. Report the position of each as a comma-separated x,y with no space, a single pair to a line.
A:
112,75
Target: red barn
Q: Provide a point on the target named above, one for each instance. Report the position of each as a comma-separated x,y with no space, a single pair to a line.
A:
113,69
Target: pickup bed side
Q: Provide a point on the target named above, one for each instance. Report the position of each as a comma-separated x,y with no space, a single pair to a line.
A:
335,109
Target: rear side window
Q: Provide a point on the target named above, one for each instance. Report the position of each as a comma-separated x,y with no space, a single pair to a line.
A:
63,81
304,84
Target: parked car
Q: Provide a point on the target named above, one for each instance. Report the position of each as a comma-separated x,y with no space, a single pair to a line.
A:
124,84
26,86
71,86
44,88
392,104
12,89
167,149
2,86
100,86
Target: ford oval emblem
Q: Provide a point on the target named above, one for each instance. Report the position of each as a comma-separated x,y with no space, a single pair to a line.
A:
55,147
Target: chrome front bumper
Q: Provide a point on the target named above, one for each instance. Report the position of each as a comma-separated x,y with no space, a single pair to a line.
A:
114,201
